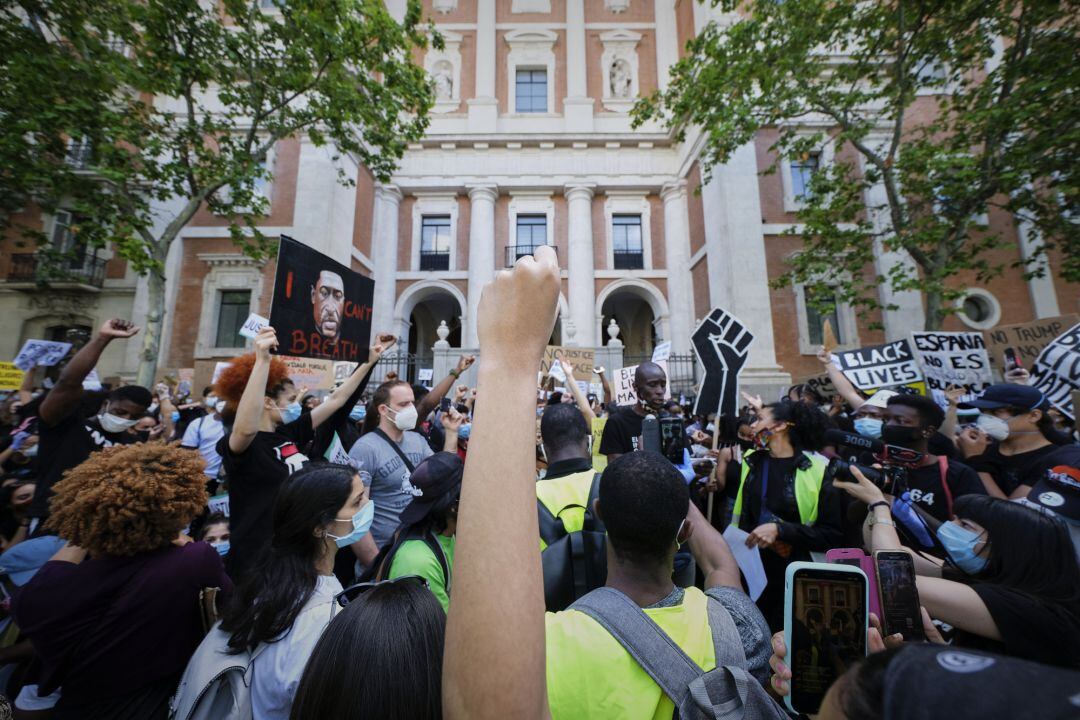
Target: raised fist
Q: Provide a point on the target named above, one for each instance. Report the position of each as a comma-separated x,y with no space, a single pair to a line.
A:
722,343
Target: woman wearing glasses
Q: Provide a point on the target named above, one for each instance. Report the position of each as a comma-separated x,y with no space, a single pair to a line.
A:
288,601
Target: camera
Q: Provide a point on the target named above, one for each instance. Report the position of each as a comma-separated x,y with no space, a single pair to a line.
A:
892,479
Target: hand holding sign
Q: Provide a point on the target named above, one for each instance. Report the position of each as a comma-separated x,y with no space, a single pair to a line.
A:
253,325
265,342
721,343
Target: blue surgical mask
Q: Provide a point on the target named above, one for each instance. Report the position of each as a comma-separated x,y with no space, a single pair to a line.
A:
960,543
290,412
463,431
175,416
221,547
358,413
868,426
361,523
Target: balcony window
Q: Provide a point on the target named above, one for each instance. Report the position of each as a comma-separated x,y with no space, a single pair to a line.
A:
530,91
80,152
233,309
435,242
626,240
802,170
822,297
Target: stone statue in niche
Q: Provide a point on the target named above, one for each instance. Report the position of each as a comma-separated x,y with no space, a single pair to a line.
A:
619,78
444,80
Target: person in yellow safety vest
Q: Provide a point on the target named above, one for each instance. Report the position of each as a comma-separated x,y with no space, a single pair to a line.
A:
786,501
646,508
564,490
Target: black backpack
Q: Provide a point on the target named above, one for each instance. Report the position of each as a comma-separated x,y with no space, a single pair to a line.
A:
575,562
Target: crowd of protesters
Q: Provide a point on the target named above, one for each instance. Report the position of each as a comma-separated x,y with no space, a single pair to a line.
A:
411,552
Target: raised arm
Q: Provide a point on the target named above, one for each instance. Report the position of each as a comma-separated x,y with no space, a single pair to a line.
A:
326,409
608,394
165,410
493,666
431,400
249,409
579,397
26,388
63,399
839,380
711,552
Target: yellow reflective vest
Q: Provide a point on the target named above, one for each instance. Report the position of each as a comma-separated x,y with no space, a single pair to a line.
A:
808,480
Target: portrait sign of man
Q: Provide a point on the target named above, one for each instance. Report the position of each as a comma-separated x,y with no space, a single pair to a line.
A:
328,305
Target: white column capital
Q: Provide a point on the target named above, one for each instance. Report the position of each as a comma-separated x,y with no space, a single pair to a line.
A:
388,192
672,191
483,192
579,191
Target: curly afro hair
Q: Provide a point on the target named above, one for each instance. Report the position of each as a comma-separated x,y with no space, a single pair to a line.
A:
233,379
129,499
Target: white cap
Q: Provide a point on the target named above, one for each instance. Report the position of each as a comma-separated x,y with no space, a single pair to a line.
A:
880,399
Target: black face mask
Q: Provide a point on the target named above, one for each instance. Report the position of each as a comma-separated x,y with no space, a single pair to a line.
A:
901,435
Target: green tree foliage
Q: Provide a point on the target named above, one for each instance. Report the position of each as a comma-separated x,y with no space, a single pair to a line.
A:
179,103
951,107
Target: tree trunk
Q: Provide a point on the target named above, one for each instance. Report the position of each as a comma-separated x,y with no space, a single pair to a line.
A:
155,321
934,311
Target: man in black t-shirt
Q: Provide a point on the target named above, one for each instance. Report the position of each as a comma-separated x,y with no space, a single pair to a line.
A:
622,432
910,421
67,438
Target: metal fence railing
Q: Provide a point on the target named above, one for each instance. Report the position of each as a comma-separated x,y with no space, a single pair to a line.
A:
682,370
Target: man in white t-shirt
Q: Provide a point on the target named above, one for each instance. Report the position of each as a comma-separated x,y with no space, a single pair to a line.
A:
203,434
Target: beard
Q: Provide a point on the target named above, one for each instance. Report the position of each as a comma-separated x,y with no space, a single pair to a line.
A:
330,315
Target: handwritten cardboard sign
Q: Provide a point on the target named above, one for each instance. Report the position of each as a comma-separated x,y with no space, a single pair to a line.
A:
581,359
311,373
624,384
1027,339
11,377
953,359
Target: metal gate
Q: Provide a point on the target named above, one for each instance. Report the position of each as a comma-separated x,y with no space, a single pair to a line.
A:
682,371
402,363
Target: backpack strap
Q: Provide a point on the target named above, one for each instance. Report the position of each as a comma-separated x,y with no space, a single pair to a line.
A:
436,548
551,527
652,649
592,522
727,642
397,449
943,468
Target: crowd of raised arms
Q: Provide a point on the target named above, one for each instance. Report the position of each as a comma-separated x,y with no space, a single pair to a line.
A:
410,553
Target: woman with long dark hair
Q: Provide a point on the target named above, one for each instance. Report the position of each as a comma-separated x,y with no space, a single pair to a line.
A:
785,499
1011,583
381,657
288,599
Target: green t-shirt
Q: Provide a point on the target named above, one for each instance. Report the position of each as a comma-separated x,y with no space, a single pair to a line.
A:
414,557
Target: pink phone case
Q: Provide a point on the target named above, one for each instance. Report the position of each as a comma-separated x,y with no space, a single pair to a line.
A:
867,564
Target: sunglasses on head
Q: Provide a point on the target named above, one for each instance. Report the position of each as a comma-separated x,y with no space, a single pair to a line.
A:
352,592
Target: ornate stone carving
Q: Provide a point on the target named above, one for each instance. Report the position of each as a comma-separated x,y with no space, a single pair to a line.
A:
617,6
444,67
444,7
620,65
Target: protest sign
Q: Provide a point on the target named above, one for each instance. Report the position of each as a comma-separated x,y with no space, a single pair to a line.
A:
556,371
661,351
206,372
185,378
219,504
721,343
1057,371
425,375
874,367
253,325
624,384
11,377
1027,339
310,373
599,461
342,371
953,358
40,352
581,359
821,384
321,309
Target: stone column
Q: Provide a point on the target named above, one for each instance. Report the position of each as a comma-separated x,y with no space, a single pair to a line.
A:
680,284
484,108
667,41
738,272
384,249
581,297
577,106
481,251
1044,299
324,209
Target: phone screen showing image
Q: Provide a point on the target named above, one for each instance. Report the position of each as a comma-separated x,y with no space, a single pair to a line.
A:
671,438
828,632
899,595
444,404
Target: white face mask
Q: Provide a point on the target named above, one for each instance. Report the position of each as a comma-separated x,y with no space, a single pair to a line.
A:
112,424
404,419
993,426
211,401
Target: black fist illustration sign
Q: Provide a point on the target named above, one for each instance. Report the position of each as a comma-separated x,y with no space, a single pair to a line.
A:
721,342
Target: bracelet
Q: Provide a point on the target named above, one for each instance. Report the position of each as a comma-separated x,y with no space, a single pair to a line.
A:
456,374
879,503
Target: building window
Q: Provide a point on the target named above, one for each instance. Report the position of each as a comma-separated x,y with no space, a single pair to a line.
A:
978,309
626,242
530,92
233,310
822,297
435,242
801,172
79,153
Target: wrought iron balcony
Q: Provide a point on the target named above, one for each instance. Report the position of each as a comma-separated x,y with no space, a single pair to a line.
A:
516,252
83,270
629,260
434,260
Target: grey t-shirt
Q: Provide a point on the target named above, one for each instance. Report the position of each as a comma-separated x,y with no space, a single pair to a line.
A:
390,487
